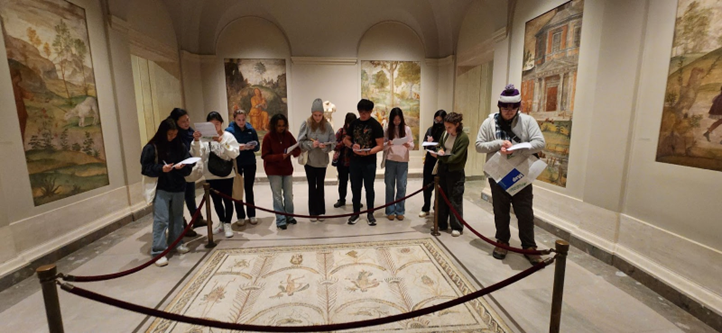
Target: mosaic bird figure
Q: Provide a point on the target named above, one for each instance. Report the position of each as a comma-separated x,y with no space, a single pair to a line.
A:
363,282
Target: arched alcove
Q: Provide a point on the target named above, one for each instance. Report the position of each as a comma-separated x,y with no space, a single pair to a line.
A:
252,37
390,40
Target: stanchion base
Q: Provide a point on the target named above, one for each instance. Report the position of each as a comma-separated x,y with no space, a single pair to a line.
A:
210,245
435,233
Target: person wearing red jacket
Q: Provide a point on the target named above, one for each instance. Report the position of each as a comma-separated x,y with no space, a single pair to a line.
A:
277,164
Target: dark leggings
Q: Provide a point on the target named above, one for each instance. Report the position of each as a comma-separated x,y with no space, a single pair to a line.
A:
224,207
249,176
429,164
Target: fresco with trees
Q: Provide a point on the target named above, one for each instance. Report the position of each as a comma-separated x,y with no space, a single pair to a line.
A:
257,86
52,76
691,129
392,84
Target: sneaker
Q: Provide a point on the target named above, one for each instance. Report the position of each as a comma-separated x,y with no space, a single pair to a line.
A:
455,233
201,222
391,217
500,253
423,214
228,230
400,217
371,219
533,258
440,229
191,233
218,229
282,227
182,249
320,218
292,221
161,262
339,203
241,222
353,219
253,221
313,219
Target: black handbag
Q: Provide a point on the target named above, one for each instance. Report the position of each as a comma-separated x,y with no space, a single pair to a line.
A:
217,165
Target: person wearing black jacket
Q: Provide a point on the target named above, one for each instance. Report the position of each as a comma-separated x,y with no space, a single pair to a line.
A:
433,134
185,134
159,160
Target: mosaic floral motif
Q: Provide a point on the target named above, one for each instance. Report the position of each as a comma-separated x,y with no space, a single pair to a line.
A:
324,284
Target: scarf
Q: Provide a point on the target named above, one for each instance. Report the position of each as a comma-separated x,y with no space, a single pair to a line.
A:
503,129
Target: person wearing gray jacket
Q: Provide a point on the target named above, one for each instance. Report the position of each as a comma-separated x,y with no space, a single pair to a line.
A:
498,133
317,139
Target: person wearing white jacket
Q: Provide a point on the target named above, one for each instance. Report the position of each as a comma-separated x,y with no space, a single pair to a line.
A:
225,147
498,132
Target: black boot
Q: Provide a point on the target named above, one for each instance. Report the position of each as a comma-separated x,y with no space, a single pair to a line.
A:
339,203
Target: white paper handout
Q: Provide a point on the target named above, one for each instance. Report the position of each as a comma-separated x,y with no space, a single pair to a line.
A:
514,173
429,144
208,130
291,148
523,145
440,153
190,160
363,149
399,141
251,143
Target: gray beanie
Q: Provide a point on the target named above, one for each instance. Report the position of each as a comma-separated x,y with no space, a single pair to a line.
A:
317,105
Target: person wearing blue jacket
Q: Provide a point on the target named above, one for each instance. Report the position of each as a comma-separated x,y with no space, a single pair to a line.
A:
185,135
247,137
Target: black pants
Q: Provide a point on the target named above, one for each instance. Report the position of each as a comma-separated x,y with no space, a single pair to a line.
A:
224,207
362,175
343,172
522,202
428,179
190,198
249,176
452,183
316,194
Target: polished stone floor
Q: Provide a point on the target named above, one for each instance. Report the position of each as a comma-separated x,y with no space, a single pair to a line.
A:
597,298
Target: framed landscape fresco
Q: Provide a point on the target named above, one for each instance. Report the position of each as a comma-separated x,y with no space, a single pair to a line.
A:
257,86
51,68
549,78
392,84
691,131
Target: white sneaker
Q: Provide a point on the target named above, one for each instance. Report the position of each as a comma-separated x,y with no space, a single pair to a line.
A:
320,218
241,222
182,249
228,230
162,262
253,221
313,219
455,233
218,229
423,214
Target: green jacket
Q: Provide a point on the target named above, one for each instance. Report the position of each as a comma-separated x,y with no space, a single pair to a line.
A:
457,160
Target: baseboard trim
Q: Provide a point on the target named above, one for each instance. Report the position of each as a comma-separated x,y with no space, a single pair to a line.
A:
661,287
27,270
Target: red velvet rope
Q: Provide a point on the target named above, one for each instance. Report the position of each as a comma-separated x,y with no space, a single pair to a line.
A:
503,246
324,216
330,327
93,278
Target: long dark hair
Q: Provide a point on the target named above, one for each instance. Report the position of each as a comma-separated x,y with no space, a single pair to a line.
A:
274,121
390,131
350,117
214,115
160,139
177,113
438,129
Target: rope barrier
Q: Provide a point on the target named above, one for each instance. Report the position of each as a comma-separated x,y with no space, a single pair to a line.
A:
94,278
503,246
324,216
329,327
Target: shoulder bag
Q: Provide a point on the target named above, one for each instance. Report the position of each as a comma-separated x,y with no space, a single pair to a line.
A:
217,165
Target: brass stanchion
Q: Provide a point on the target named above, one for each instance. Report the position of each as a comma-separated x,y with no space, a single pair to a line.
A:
436,207
562,248
209,219
47,275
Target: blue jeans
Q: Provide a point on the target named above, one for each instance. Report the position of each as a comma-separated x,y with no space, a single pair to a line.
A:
190,198
362,176
282,188
167,214
395,176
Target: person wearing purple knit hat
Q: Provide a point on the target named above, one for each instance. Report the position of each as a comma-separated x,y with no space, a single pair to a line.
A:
499,132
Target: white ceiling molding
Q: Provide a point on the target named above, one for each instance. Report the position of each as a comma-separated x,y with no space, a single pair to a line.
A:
186,55
118,24
479,54
150,48
438,62
323,61
499,35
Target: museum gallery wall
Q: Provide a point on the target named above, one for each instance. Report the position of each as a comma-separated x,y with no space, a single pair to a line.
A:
549,76
690,134
391,84
55,95
257,86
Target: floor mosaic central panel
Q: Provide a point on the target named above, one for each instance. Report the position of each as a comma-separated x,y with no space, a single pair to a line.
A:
334,283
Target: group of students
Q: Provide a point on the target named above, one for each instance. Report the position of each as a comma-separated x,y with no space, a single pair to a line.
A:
355,147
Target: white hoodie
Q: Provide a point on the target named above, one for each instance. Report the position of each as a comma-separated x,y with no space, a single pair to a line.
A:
227,149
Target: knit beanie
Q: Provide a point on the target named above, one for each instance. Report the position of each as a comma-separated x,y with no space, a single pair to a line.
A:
510,95
317,105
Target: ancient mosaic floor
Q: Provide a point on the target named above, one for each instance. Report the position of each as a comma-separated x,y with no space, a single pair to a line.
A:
323,284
